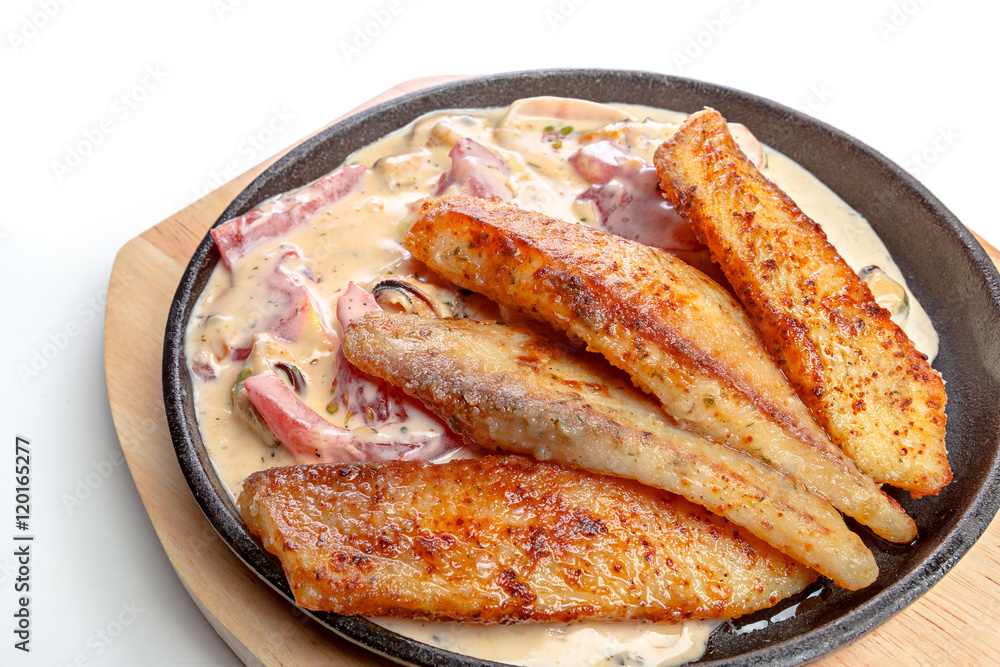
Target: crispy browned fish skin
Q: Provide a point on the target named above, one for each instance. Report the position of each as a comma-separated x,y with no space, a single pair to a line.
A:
511,390
504,539
676,332
872,391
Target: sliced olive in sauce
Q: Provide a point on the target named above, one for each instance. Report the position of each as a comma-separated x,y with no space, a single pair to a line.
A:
293,375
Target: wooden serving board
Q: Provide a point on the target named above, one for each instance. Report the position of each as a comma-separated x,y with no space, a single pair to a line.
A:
955,623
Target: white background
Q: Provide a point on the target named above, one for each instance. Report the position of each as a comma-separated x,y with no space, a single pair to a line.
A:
157,103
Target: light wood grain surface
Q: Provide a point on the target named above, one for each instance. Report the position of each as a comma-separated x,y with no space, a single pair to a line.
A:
955,623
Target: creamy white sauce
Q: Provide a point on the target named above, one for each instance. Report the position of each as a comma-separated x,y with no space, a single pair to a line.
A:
567,644
358,239
852,236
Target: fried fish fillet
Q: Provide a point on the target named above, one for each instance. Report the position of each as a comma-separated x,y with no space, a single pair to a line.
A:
504,539
511,390
872,391
676,332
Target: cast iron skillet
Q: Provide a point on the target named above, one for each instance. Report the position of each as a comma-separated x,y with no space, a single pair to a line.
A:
945,267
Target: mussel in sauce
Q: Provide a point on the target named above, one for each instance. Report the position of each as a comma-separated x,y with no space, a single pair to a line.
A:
266,355
395,295
887,292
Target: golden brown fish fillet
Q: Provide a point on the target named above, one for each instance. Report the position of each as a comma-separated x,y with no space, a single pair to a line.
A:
872,391
676,332
511,390
504,539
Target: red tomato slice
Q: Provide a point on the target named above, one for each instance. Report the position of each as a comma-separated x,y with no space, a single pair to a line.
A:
234,237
